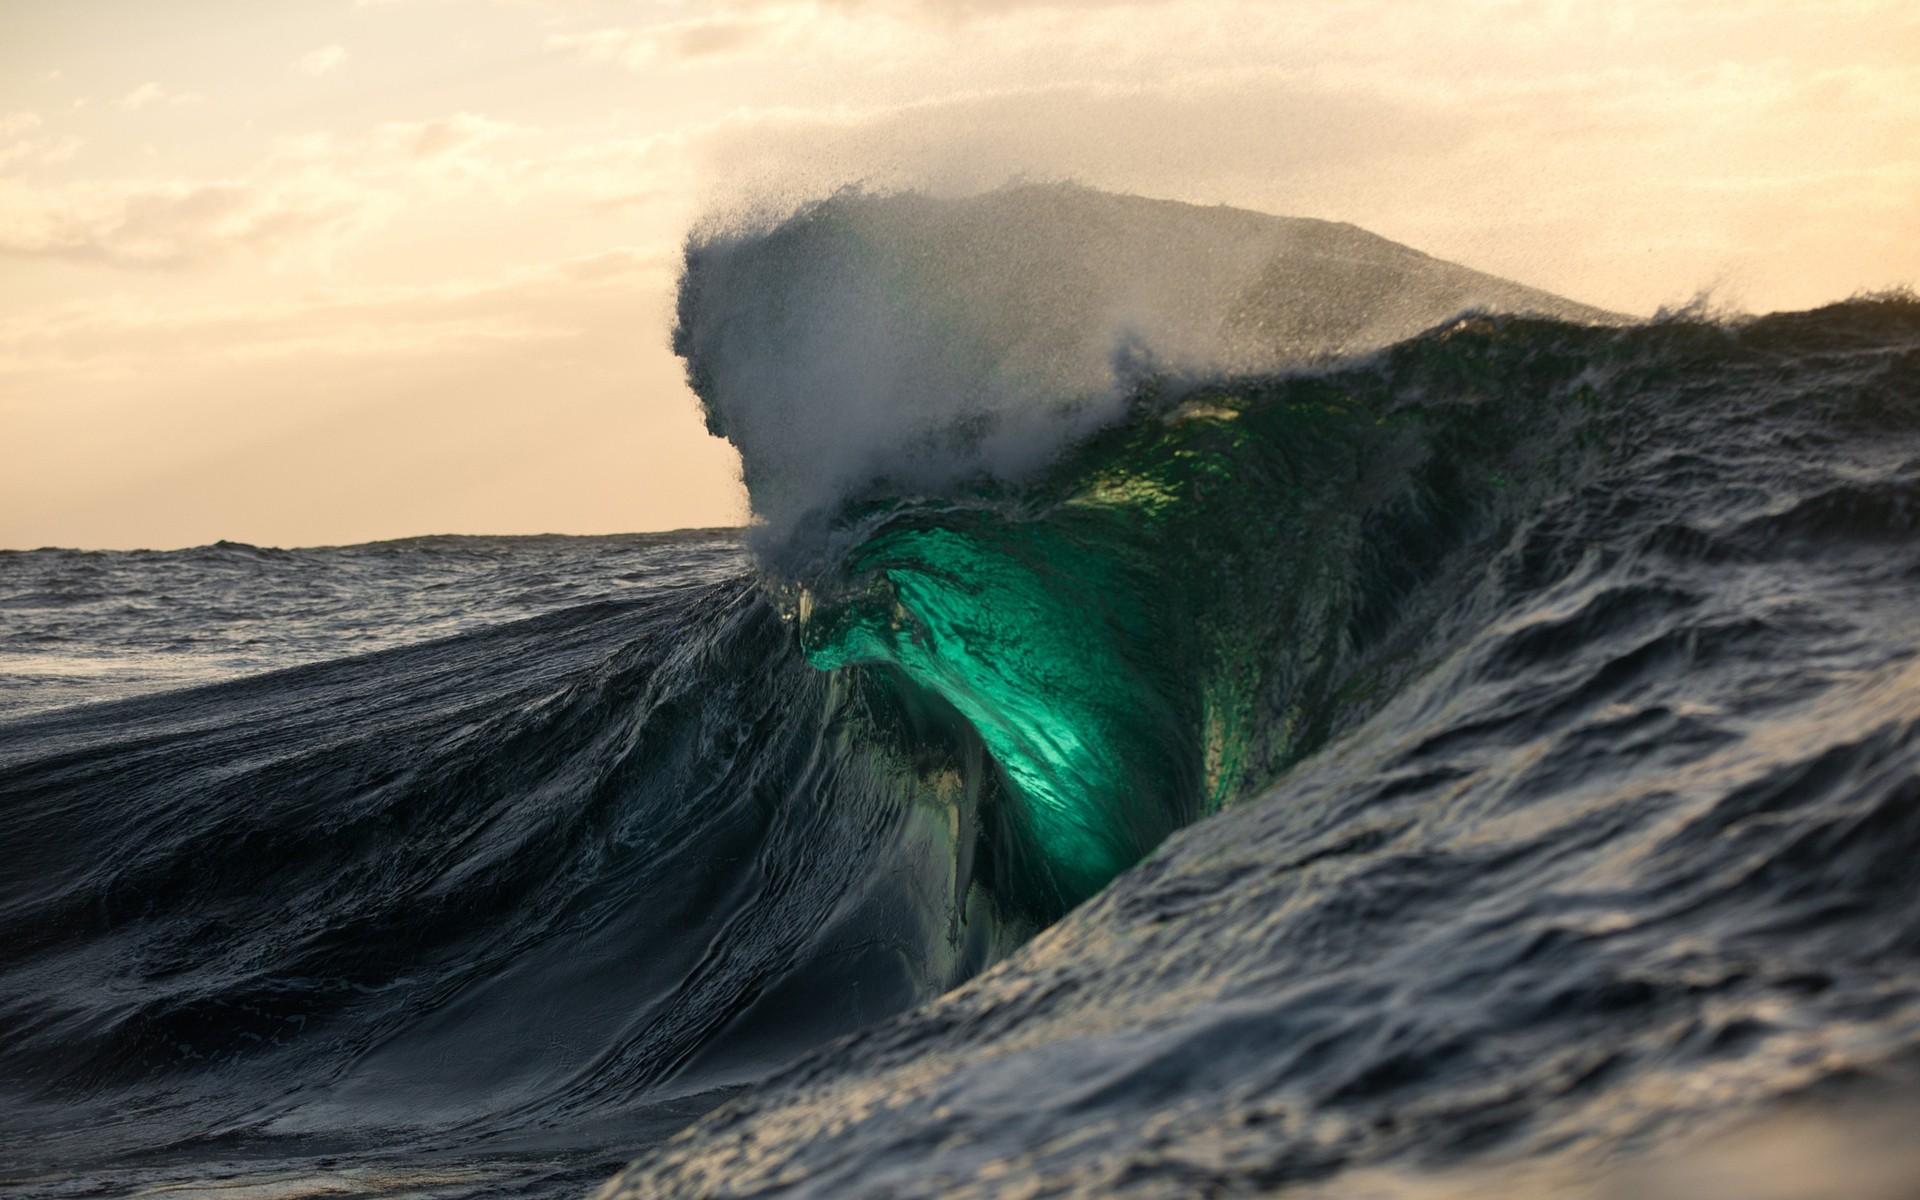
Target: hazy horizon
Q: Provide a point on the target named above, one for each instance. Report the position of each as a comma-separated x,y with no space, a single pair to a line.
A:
355,270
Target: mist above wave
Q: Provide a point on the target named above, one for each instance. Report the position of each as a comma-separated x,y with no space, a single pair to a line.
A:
905,342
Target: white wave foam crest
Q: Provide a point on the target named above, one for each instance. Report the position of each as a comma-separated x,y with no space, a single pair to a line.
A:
907,343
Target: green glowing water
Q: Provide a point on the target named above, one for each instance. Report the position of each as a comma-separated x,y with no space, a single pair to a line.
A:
1181,610
1015,627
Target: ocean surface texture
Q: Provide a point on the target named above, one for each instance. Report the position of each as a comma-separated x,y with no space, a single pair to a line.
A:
1472,758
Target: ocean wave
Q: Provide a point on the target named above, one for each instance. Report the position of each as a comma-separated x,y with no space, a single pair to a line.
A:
1137,778
1555,689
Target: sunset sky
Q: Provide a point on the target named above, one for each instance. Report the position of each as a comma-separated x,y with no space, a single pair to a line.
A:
324,271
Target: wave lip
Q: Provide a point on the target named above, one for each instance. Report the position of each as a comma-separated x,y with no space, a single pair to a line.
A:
905,343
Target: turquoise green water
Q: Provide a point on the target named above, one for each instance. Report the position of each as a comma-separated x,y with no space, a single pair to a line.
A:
1189,603
1017,628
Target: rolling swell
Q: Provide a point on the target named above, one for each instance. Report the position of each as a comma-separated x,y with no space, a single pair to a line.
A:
513,889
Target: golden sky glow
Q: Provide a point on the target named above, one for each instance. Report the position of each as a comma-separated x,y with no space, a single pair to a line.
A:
322,271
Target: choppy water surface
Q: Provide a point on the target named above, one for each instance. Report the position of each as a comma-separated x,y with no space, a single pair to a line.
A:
86,625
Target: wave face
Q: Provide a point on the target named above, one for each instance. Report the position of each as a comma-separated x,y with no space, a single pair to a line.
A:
473,913
1554,693
881,344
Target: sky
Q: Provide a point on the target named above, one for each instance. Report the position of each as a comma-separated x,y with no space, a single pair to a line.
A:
327,271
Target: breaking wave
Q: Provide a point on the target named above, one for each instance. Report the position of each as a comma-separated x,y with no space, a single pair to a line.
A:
1421,738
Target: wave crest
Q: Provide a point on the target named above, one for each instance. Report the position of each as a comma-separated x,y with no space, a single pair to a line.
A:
905,343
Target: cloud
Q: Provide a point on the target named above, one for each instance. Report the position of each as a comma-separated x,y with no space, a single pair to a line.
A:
927,40
31,151
306,196
167,224
1741,169
142,96
1433,127
148,94
319,62
524,304
731,33
37,152
440,137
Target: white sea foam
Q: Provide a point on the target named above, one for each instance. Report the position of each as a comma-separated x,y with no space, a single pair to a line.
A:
903,342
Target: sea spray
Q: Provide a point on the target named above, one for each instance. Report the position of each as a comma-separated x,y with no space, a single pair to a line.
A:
894,345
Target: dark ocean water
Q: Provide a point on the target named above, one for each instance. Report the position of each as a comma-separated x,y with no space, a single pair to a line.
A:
1481,766
104,625
268,809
